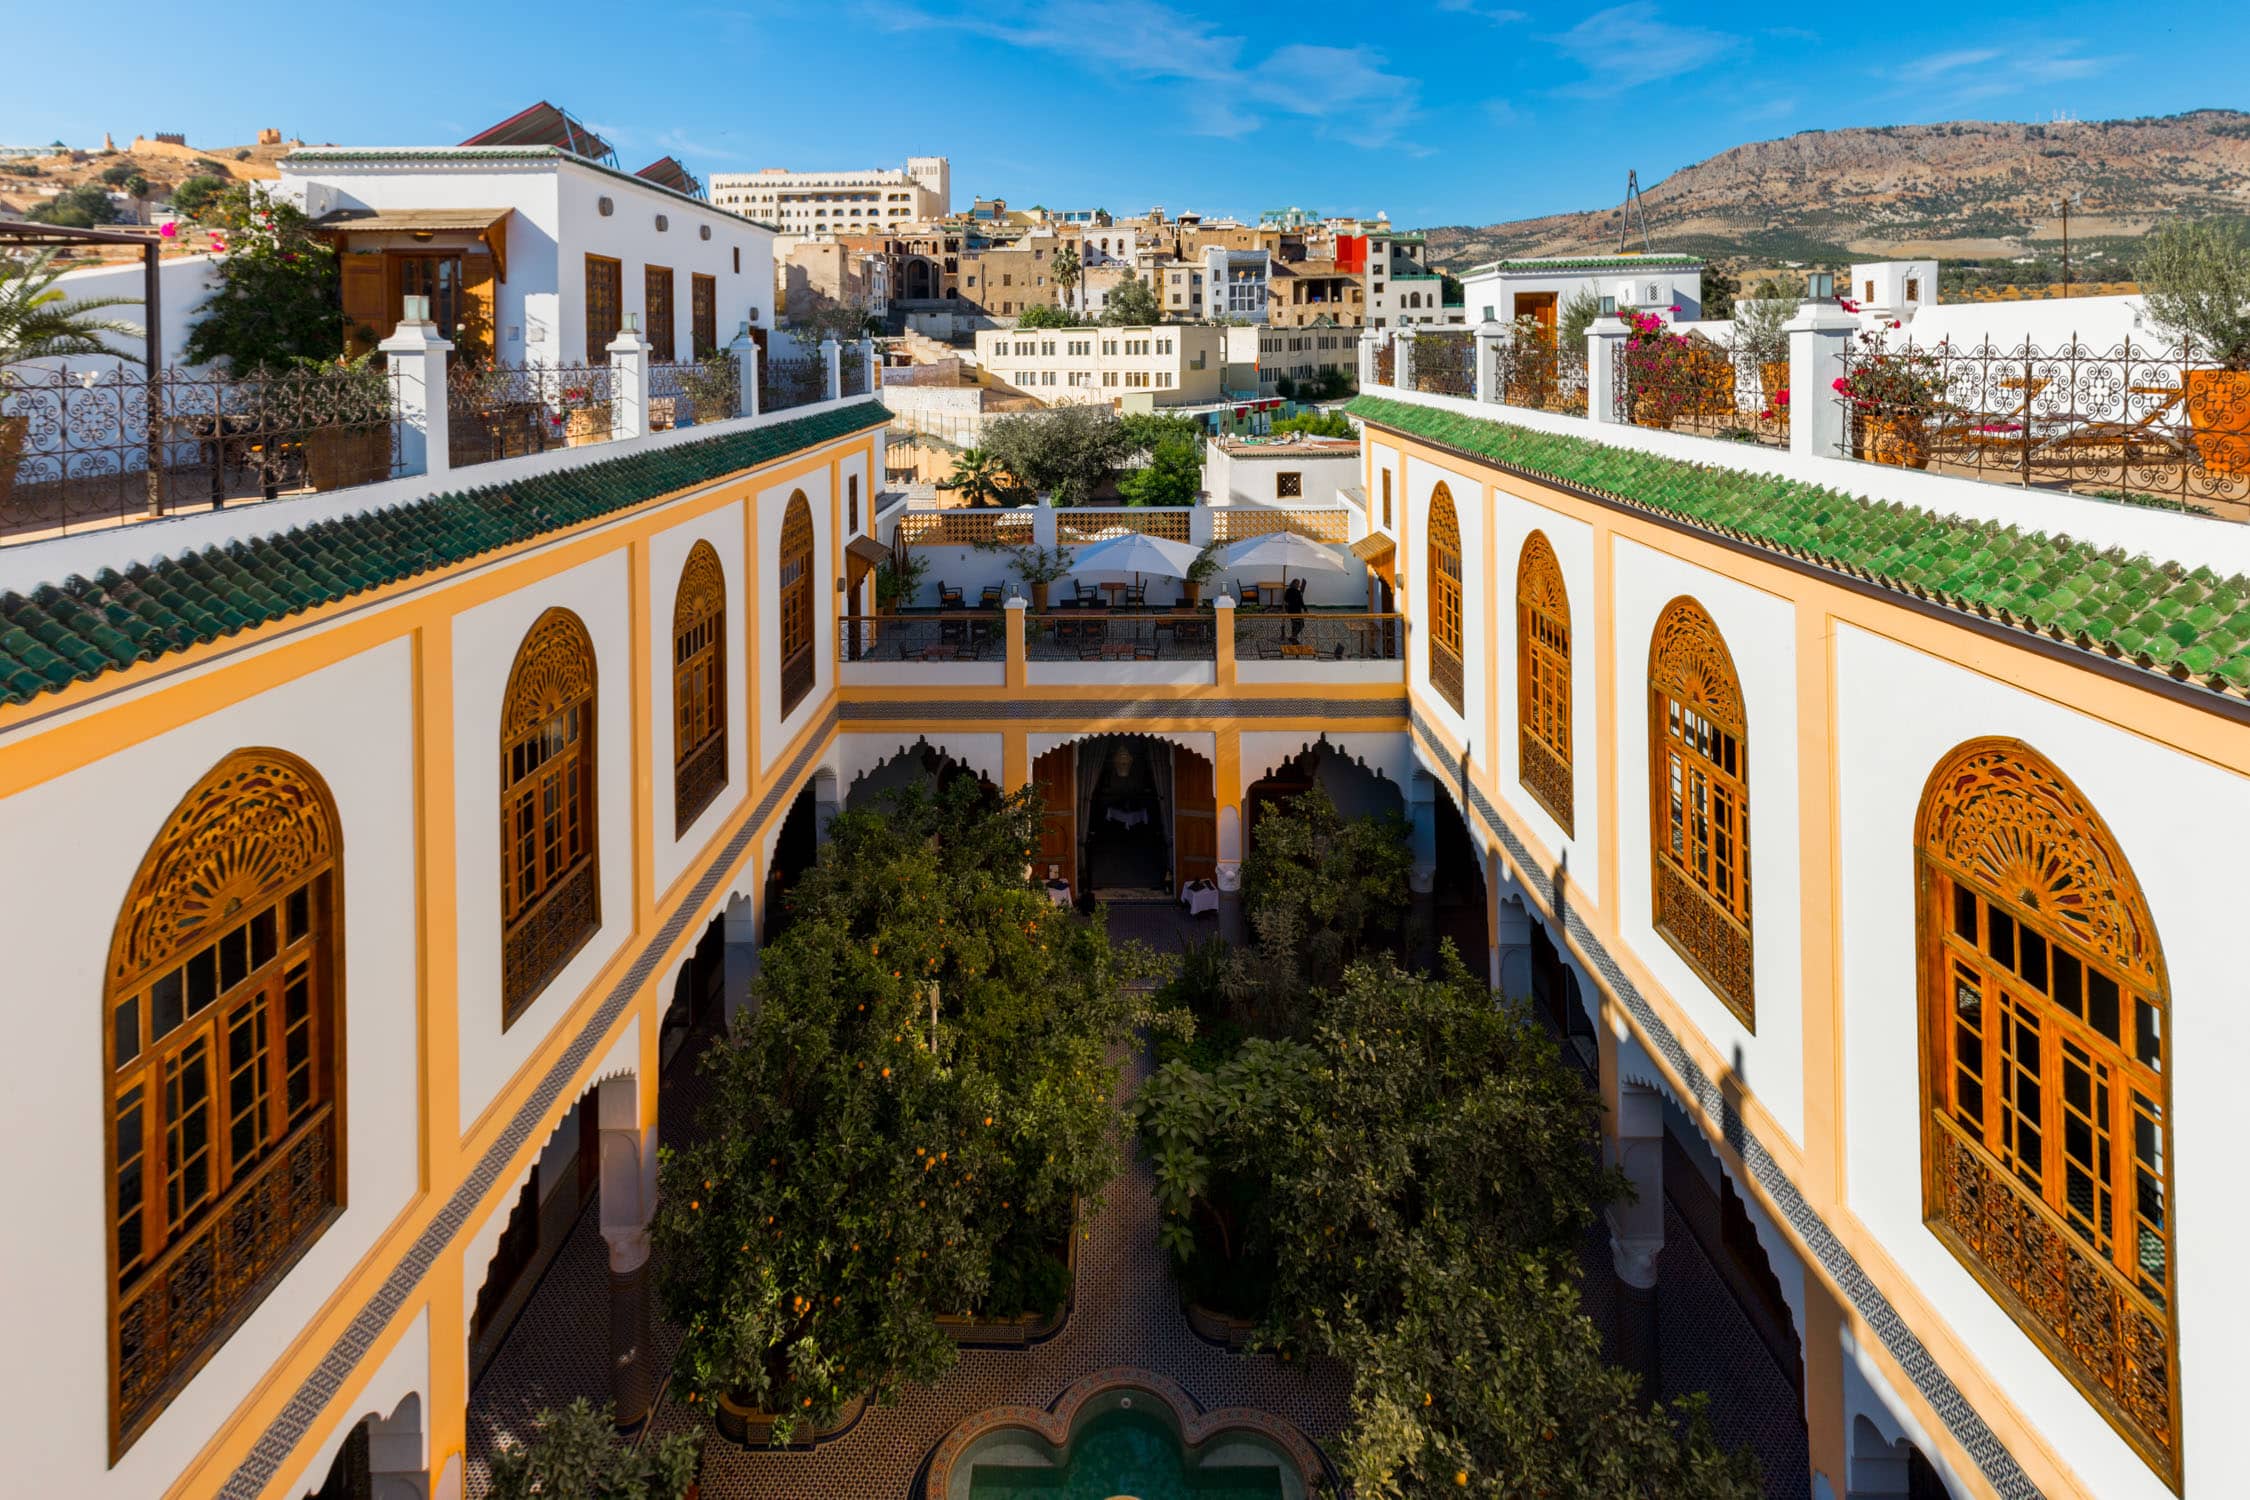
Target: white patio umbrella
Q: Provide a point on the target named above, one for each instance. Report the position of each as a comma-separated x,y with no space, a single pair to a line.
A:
1287,553
1135,553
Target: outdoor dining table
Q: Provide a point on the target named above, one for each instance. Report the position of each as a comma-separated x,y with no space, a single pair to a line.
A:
1116,591
1128,817
1058,892
1199,897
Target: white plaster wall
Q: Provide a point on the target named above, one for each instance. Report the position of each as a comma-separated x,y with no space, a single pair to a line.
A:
184,284
775,732
2173,817
628,234
350,723
1513,520
858,754
1253,480
668,553
1759,629
485,643
1467,489
403,1375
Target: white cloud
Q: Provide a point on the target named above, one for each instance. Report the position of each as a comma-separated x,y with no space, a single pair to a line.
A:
1229,92
1627,46
1498,15
1965,75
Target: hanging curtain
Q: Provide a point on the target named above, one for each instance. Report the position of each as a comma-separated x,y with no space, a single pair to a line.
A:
1093,754
1160,753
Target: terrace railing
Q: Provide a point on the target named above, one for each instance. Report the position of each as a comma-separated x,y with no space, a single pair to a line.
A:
106,442
689,394
1445,363
955,635
1236,523
1085,525
792,382
1697,384
2142,423
1540,374
1318,636
1119,635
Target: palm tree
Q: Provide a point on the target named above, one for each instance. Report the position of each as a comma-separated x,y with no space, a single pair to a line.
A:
39,321
978,478
1066,270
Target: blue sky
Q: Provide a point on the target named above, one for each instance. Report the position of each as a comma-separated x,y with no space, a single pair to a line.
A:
1434,111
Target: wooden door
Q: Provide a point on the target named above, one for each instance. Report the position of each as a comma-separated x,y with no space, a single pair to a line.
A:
369,315
479,337
1539,305
1195,819
1056,776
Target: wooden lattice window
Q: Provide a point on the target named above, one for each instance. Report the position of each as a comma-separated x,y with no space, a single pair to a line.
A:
1700,803
2047,1136
795,591
224,1051
605,305
699,686
550,882
703,315
656,297
1543,678
1444,573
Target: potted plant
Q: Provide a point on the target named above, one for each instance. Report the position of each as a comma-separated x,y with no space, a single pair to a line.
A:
1893,394
576,1452
710,385
38,321
1200,572
586,416
1036,566
2196,280
1758,337
1667,377
354,445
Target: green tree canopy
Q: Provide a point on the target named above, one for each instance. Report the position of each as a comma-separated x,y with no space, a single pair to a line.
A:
1331,424
1172,476
575,1454
38,320
85,206
1322,890
195,196
979,479
1069,452
278,301
2195,278
1039,315
1132,304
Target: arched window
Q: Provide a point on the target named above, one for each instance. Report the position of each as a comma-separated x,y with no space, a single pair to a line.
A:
550,900
1700,802
1445,597
2047,1138
795,591
224,1054
699,686
1543,678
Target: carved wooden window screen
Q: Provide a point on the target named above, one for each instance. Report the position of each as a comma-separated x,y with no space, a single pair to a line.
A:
1543,678
1445,598
223,1052
699,686
703,314
605,305
1700,798
656,297
795,594
550,899
2048,1144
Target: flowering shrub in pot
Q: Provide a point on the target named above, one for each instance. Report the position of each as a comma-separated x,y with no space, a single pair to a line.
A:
1893,395
2196,279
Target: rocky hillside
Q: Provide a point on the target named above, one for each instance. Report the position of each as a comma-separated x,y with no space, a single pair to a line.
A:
1970,188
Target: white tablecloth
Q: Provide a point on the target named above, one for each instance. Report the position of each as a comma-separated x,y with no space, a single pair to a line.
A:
1199,896
1128,817
1058,891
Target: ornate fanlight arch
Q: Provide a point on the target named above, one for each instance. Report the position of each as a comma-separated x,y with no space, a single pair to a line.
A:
1444,572
1543,698
2047,1119
699,686
793,582
550,898
1699,803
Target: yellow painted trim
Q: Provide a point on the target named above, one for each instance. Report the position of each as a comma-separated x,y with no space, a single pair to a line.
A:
1492,657
1015,759
1820,910
446,1418
437,920
642,735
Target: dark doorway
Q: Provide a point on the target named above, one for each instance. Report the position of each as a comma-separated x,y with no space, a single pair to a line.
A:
794,850
1458,889
1124,793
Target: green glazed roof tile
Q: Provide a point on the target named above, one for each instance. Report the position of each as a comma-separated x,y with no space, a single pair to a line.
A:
2160,613
60,634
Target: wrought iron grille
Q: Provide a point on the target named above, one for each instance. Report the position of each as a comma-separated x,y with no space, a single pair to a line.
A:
2139,423
99,444
210,1278
1386,363
956,635
1698,384
1445,364
507,411
692,394
786,383
855,370
1539,374
1118,635
1261,636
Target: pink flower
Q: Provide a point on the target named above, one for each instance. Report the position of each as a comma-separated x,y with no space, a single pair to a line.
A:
1781,398
169,230
1894,323
1675,309
1842,385
219,243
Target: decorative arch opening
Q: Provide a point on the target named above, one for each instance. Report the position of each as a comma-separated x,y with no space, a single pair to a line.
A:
1127,817
699,686
1357,789
1699,803
793,584
796,847
2047,1137
1444,573
223,1059
550,899
922,764
1543,679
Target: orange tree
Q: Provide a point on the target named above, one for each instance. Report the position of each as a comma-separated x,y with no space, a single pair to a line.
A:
901,1124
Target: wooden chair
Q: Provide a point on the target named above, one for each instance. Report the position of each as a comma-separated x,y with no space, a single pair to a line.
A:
948,598
990,599
1247,596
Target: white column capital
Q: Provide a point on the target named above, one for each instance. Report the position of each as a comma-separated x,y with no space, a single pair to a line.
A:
1634,1256
628,1249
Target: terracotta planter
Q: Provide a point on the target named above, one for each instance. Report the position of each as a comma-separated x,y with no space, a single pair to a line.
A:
1191,592
336,458
1039,597
1901,443
588,424
2218,403
13,432
1773,377
753,1428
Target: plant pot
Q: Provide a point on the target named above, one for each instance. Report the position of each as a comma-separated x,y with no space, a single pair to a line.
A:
1900,442
588,424
336,458
1773,378
13,432
1191,592
752,1427
1039,597
2218,403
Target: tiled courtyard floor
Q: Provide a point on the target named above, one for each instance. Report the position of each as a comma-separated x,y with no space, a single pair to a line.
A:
1126,1313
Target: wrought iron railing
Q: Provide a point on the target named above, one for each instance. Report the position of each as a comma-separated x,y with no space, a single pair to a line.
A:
692,394
855,372
1318,636
211,1277
1694,383
954,635
786,383
1445,363
1119,635
499,411
102,443
1386,363
2142,423
1539,374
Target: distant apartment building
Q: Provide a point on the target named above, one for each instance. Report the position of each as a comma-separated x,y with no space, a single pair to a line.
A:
1401,289
1221,283
1302,293
1305,357
827,204
1536,287
1168,365
828,270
